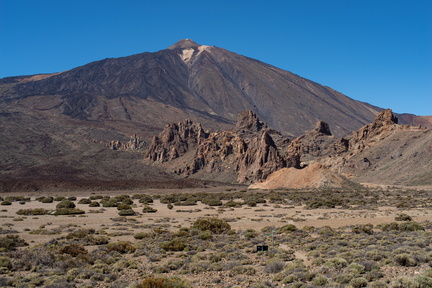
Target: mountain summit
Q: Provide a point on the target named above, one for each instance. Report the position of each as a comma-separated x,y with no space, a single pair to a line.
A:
184,44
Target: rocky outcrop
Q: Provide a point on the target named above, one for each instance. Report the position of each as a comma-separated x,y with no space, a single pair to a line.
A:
175,140
135,143
384,123
247,121
260,158
317,143
248,151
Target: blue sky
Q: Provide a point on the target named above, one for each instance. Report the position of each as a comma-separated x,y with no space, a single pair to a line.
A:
375,51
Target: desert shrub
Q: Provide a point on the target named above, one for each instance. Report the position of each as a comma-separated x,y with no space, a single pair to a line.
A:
73,250
163,282
47,200
6,203
205,235
212,201
11,242
94,204
423,281
65,204
366,228
121,247
403,217
84,201
72,198
5,262
404,282
126,212
336,263
315,204
274,267
123,206
378,284
176,244
286,228
80,233
214,225
142,235
59,198
244,270
411,226
67,211
108,203
170,206
319,280
35,211
232,203
148,209
250,233
145,199
358,282
405,260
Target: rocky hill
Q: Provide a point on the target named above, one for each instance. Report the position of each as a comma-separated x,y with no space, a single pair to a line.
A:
382,152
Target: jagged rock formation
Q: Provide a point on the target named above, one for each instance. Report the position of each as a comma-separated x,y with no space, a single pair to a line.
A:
175,140
384,123
382,152
316,143
248,151
247,121
135,143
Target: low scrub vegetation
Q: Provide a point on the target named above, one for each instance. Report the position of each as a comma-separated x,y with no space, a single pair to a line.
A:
149,250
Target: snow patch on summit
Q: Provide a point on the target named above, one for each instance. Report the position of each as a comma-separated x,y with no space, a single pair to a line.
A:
188,53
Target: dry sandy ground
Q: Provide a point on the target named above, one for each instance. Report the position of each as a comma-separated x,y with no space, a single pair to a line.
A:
183,216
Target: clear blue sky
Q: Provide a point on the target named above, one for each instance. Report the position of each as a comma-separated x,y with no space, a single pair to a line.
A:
377,51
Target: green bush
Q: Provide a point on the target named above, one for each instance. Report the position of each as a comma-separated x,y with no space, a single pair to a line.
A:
358,282
127,212
65,204
122,247
11,242
148,209
94,204
74,250
35,211
59,198
123,206
84,201
214,225
403,217
67,211
163,282
145,199
47,200
366,228
405,260
287,228
176,244
411,226
5,262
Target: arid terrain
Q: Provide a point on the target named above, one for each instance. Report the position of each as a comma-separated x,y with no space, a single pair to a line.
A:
208,237
194,166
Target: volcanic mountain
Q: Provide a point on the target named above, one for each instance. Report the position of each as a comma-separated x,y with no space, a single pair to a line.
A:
55,128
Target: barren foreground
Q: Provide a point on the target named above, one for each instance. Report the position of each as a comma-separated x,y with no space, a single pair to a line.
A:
209,238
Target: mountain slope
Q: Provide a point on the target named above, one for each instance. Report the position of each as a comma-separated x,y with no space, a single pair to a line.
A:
211,84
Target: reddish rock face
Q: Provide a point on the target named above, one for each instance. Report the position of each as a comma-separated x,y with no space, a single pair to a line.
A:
249,150
175,140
